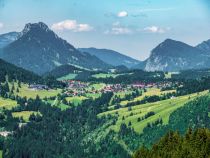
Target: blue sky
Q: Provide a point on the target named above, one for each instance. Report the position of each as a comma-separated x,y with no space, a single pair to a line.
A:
132,27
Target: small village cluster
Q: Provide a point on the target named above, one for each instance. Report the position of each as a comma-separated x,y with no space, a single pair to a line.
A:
78,88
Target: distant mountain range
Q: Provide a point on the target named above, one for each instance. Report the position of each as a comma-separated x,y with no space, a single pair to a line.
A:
173,55
111,57
40,50
205,46
6,39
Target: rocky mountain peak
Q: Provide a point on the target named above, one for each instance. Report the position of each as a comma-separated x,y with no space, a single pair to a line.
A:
40,26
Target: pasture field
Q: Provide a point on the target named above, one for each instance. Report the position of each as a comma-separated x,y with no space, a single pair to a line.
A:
104,75
70,76
162,109
108,75
150,92
58,104
24,114
76,100
7,103
96,86
92,95
24,91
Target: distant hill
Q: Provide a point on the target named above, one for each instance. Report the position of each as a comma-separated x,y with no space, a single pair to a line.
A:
111,57
6,39
40,50
205,46
16,73
173,55
64,70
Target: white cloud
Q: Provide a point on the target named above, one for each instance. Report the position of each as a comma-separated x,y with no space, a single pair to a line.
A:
72,25
156,29
119,31
1,25
122,14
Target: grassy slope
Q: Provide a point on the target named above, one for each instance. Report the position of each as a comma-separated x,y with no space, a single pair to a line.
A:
76,100
150,92
58,104
103,75
7,103
29,93
162,109
24,114
70,76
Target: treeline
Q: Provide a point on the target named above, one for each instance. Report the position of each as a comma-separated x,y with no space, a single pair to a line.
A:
194,144
117,99
12,73
129,77
192,74
151,99
193,86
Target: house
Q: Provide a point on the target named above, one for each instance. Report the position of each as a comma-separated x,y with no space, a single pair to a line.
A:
38,87
5,133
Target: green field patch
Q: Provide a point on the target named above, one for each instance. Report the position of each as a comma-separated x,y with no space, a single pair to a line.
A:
76,100
70,76
108,75
150,92
97,86
58,104
24,114
93,95
162,110
104,75
7,103
24,91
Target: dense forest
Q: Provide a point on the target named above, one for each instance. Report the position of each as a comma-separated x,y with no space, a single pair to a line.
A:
9,72
194,144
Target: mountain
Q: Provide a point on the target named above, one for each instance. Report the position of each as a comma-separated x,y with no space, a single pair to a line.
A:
6,39
205,46
40,50
111,57
173,55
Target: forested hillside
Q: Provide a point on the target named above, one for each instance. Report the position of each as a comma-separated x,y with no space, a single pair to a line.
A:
193,144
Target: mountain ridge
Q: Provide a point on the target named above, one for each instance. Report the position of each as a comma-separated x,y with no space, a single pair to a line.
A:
40,50
172,55
111,57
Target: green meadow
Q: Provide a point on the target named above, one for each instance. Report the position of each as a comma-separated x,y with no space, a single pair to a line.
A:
162,109
24,91
7,103
76,100
70,76
24,114
149,92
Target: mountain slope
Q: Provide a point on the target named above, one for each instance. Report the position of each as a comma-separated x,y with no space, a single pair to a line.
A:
174,56
63,70
16,73
6,39
205,46
111,57
40,50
